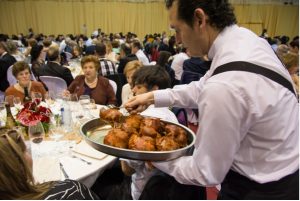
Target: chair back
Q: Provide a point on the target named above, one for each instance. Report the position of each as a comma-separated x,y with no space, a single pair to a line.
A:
120,80
114,85
10,78
55,84
32,75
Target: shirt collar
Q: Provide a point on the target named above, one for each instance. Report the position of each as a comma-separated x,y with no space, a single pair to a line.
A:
218,43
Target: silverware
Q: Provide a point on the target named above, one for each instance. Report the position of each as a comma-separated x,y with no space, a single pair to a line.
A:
63,170
83,160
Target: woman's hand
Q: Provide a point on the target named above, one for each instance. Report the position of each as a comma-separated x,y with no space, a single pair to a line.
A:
139,103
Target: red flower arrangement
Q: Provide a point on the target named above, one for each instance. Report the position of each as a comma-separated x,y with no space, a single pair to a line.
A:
32,113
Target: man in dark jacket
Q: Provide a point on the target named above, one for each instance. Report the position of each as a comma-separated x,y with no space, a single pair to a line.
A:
54,68
6,60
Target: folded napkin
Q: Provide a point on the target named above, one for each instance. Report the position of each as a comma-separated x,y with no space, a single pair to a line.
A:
84,149
46,169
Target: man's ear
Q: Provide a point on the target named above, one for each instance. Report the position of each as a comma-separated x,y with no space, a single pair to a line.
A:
200,18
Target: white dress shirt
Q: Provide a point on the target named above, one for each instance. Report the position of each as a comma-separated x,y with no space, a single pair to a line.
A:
142,57
247,122
142,172
177,64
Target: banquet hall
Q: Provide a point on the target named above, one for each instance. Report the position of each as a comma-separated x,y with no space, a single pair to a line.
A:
149,99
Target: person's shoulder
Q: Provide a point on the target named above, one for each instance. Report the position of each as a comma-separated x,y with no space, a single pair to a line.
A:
103,79
69,189
11,89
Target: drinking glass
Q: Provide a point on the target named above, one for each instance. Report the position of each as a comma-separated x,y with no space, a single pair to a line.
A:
73,102
37,96
49,98
10,99
36,132
17,103
93,104
2,115
84,99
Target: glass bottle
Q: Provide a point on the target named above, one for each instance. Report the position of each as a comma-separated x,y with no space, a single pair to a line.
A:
27,97
10,120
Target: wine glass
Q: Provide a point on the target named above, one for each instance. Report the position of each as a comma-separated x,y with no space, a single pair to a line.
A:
49,98
10,99
2,115
36,132
93,104
17,103
36,135
37,96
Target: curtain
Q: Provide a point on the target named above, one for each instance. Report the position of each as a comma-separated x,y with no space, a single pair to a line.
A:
141,17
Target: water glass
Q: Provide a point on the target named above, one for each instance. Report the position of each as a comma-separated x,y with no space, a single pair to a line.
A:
10,99
36,132
84,100
37,96
2,115
17,102
49,98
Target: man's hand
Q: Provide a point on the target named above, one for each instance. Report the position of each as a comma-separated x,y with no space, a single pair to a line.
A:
139,103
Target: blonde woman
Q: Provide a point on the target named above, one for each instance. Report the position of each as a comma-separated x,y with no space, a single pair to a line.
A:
110,54
16,179
129,70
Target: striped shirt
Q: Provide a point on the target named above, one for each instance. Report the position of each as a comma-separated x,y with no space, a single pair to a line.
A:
107,67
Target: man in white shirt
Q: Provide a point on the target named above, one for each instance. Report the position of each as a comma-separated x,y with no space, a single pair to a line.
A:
147,79
177,63
248,136
137,50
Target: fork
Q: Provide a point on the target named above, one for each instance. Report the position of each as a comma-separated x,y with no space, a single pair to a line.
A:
83,160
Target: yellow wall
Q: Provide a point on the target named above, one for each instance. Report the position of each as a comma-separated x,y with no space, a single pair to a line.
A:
65,16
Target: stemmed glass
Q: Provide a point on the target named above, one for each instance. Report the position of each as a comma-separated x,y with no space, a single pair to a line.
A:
36,134
10,99
2,115
49,98
37,96
17,103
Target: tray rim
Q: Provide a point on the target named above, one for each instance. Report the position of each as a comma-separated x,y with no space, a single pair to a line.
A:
156,154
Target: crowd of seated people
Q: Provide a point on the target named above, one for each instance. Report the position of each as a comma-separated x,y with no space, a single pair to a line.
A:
126,53
114,51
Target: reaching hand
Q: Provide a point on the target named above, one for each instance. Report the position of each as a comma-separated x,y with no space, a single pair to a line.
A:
139,103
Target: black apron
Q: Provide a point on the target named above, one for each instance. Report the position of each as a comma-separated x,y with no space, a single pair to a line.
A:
236,186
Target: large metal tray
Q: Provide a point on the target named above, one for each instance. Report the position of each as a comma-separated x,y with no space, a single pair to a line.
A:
95,130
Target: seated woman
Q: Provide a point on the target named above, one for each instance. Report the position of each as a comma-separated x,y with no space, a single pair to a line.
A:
21,71
92,84
38,57
17,182
129,70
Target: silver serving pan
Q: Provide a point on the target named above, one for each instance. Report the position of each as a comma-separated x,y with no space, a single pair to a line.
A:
95,130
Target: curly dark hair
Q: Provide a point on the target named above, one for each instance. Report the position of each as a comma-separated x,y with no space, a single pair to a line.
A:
220,12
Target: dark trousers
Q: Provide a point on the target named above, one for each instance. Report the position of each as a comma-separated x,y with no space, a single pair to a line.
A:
165,187
236,186
114,185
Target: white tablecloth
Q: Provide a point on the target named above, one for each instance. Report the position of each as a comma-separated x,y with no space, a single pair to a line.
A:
46,166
